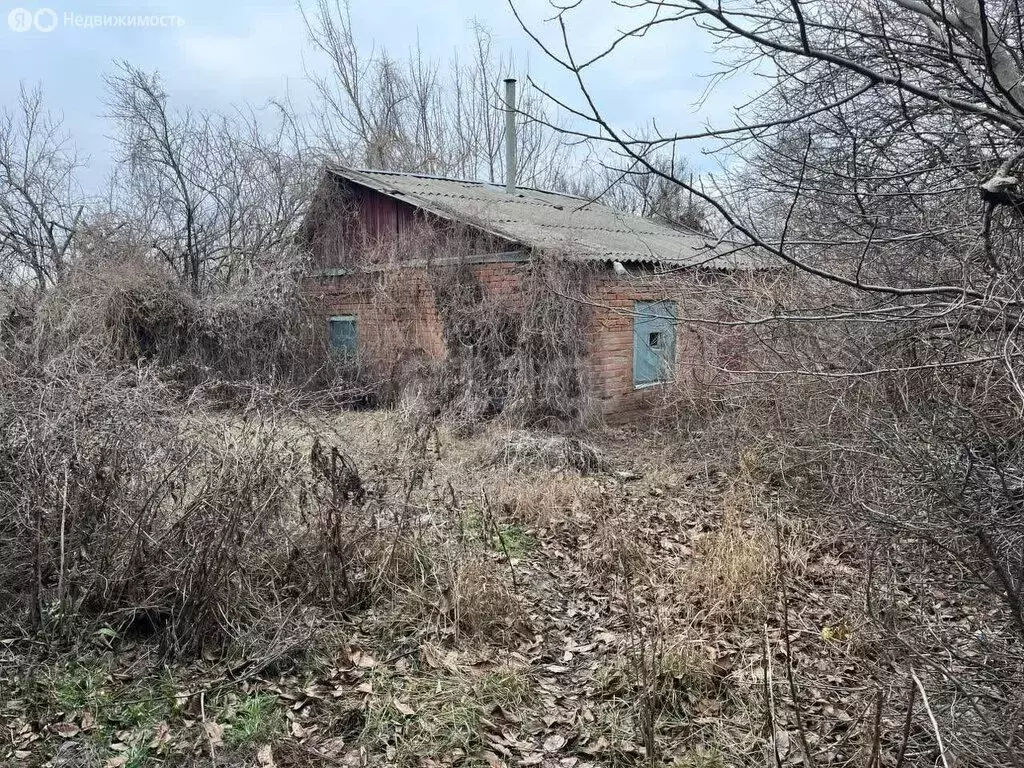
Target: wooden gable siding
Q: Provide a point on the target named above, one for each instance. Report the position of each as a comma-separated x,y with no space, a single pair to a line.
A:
382,216
351,217
356,218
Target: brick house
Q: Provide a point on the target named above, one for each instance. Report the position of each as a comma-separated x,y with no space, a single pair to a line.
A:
643,276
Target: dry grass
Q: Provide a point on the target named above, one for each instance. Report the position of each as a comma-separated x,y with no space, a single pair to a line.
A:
541,499
458,593
442,712
733,572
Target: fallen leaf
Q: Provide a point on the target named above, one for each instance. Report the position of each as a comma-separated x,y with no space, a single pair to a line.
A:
116,762
782,742
431,656
265,757
214,732
332,747
554,743
66,730
364,660
161,737
404,708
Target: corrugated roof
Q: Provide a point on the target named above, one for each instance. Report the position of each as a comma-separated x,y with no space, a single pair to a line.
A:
550,221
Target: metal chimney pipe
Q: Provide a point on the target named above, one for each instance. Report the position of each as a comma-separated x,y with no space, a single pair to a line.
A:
511,169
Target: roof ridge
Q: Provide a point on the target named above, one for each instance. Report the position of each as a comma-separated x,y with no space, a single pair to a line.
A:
478,182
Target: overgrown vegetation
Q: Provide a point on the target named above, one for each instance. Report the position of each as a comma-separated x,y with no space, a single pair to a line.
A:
468,350
519,352
812,556
314,584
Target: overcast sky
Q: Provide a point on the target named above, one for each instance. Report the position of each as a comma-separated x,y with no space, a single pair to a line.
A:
216,54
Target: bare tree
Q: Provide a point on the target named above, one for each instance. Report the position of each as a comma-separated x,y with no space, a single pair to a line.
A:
884,161
164,155
417,114
632,187
214,192
41,203
913,94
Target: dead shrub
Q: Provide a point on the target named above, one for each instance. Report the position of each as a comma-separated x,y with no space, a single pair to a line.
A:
549,383
524,450
480,333
519,350
126,510
521,354
72,443
262,333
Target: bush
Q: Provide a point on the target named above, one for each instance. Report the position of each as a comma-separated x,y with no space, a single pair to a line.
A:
125,503
262,333
123,508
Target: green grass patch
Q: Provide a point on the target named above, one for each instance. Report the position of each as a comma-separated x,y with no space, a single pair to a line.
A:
498,537
514,540
75,686
254,720
440,713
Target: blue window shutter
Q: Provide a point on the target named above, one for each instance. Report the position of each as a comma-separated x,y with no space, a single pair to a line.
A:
344,335
654,342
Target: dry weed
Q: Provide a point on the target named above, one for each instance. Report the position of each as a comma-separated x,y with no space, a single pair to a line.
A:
523,450
541,499
442,711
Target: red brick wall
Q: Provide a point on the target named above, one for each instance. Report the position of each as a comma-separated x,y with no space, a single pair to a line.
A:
701,350
396,310
398,320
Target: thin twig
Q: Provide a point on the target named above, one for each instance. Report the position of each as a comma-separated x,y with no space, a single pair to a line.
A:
931,716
